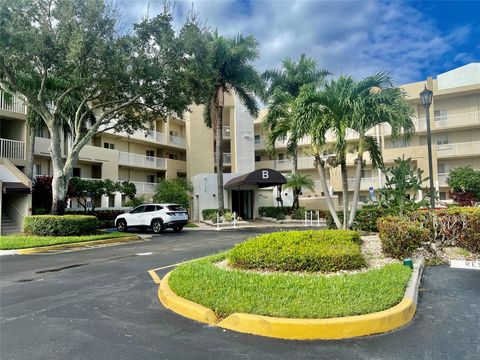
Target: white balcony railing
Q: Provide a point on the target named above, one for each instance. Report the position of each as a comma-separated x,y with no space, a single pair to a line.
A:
364,184
12,149
12,103
471,148
458,120
442,179
177,141
318,189
144,187
226,132
138,160
306,162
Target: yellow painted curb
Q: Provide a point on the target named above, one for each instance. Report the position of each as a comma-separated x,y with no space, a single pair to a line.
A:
333,328
182,306
300,329
81,244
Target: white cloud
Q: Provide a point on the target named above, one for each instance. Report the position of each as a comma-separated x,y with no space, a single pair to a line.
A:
346,37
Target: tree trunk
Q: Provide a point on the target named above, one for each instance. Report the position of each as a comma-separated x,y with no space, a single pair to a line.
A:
321,174
294,162
296,203
356,194
219,147
343,169
30,150
60,179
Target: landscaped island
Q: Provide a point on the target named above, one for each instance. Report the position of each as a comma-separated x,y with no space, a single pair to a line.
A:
293,274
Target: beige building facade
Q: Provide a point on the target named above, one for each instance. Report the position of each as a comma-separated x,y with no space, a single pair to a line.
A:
184,147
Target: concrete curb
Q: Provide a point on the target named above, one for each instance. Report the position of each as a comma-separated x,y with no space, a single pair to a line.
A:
303,329
77,245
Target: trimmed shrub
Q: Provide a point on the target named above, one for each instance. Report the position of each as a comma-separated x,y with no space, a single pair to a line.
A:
105,217
312,250
299,214
365,219
274,211
66,225
401,236
211,214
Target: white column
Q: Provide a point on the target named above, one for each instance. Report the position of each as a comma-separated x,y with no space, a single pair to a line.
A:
118,199
104,201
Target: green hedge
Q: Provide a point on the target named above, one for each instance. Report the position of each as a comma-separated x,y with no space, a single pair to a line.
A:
365,219
312,250
66,225
211,214
275,212
401,236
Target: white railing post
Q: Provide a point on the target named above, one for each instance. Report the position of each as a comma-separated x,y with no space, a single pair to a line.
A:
234,219
318,217
306,214
311,218
218,220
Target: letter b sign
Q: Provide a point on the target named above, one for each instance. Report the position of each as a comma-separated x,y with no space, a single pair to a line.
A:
265,174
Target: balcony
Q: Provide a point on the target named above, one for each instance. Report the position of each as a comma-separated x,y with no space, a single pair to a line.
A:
442,179
279,165
143,187
457,120
12,149
471,148
137,160
12,104
176,141
365,184
306,163
153,136
318,190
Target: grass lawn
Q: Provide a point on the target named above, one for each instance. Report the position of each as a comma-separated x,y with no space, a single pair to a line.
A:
21,241
288,295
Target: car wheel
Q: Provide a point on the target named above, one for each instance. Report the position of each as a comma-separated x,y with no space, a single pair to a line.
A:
121,225
177,228
157,226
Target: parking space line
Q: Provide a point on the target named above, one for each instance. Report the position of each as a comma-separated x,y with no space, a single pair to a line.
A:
153,272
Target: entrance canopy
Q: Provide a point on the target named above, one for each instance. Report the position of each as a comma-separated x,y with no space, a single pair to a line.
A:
261,178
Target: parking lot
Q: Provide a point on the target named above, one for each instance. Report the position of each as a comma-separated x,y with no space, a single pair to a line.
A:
102,304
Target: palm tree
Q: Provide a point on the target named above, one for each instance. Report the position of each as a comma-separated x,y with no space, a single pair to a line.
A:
344,105
231,60
284,85
296,182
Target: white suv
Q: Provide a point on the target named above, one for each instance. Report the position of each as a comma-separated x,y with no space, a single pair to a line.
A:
157,216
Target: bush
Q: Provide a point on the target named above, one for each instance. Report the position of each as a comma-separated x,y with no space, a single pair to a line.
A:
135,201
274,211
66,225
174,191
313,250
211,214
299,213
105,217
365,219
452,227
401,236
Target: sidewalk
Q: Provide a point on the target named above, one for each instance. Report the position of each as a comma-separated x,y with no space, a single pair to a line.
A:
256,224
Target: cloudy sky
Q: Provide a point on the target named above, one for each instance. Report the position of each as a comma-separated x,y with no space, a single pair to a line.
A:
410,40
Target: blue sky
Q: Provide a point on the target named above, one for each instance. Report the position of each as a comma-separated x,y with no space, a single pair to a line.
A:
409,39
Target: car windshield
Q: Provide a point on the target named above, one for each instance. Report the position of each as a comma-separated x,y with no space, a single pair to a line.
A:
175,208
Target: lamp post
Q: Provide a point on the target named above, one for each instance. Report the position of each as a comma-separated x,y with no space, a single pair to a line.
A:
426,97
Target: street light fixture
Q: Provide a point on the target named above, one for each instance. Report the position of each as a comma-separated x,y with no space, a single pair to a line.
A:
426,97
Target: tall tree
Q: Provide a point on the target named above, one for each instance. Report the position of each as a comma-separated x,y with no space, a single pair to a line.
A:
231,60
70,63
284,86
343,107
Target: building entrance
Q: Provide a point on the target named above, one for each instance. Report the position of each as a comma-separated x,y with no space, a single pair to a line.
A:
242,203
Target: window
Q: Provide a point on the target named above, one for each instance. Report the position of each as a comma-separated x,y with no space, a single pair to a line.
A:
76,172
150,154
37,169
442,139
443,195
442,169
107,145
39,131
150,178
138,209
111,200
367,174
149,208
158,207
363,199
258,158
280,157
399,143
440,115
172,156
257,139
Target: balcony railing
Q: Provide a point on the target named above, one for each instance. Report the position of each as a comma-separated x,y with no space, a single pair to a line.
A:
457,120
364,184
471,148
442,179
138,160
144,187
318,189
177,141
306,162
12,149
12,103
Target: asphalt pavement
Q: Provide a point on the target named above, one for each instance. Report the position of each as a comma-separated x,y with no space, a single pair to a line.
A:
102,304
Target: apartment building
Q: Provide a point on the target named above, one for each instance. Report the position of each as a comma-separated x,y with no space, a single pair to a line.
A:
455,126
184,147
